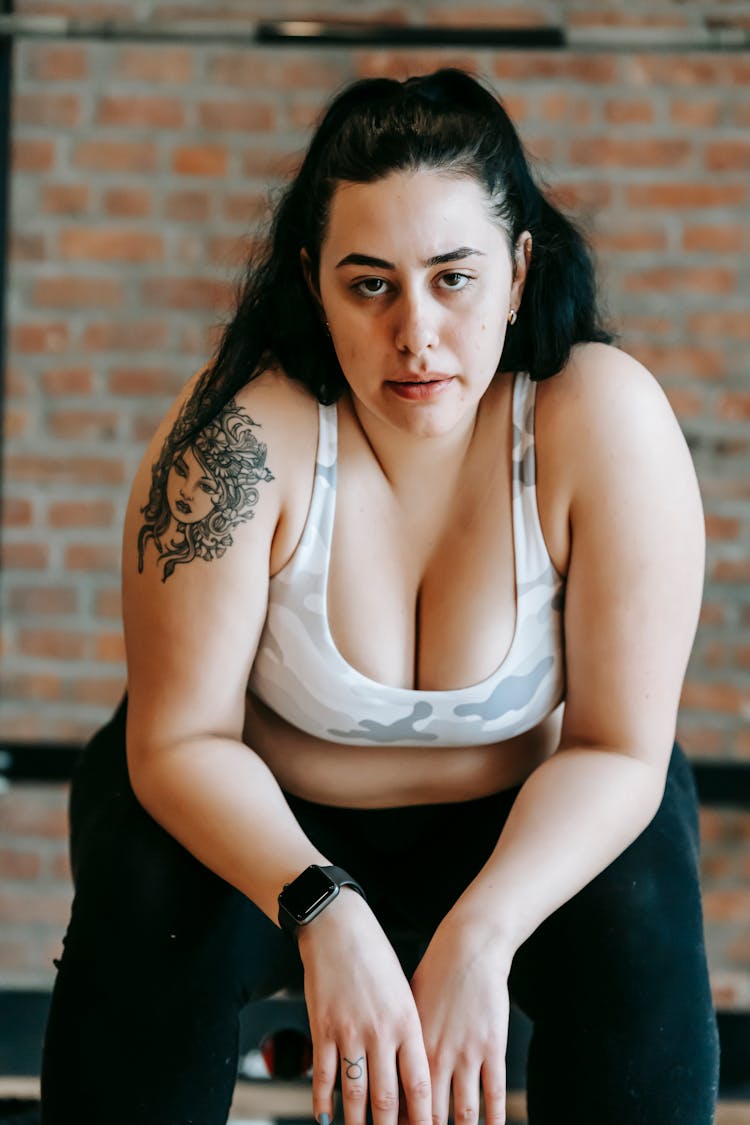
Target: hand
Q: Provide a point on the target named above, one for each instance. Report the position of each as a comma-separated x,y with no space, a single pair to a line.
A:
461,991
362,1017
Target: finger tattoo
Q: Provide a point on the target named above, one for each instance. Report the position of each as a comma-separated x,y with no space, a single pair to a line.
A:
355,1068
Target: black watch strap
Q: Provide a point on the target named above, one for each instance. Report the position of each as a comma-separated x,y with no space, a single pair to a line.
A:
308,895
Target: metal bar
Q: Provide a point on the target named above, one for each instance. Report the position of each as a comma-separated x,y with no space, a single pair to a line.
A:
319,33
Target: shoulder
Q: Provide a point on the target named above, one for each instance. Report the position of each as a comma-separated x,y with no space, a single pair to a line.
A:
604,409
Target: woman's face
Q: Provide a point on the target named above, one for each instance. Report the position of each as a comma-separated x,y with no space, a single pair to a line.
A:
416,284
191,491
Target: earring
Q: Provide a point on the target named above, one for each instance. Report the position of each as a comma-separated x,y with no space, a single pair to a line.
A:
512,317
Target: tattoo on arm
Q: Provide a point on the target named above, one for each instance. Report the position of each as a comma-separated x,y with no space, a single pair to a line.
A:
202,488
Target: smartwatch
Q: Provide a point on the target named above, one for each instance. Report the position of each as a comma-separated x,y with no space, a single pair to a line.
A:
310,893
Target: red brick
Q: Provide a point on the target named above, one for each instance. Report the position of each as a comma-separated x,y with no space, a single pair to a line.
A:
32,155
92,556
54,110
731,570
81,513
686,404
716,866
65,199
24,556
717,323
669,197
145,381
674,360
17,864
52,644
598,17
245,207
267,164
46,600
187,206
17,511
692,114
714,697
105,692
26,247
140,112
29,810
128,203
525,66
647,325
703,741
23,906
32,686
727,905
68,381
46,726
590,195
728,156
734,406
685,278
405,63
77,292
629,111
197,293
60,866
242,116
116,156
559,106
47,337
155,63
742,656
110,648
68,470
486,15
293,69
84,425
722,527
704,70
728,239
15,422
638,239
200,160
636,152
86,244
130,336
14,953
108,603
56,62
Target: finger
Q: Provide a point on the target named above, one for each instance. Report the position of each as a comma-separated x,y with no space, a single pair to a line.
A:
382,1078
494,1090
414,1072
325,1069
466,1095
354,1086
441,1096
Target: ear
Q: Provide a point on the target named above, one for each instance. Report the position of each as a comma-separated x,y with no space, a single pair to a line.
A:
521,263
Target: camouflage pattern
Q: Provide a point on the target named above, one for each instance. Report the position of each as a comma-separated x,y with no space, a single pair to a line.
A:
300,674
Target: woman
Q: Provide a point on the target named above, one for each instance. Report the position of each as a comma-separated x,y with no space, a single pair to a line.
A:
418,712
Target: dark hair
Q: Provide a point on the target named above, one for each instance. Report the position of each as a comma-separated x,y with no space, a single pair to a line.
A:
375,126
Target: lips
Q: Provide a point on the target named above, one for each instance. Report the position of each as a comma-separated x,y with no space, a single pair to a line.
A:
181,506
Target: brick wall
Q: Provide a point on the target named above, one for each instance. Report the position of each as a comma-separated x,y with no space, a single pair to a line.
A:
139,173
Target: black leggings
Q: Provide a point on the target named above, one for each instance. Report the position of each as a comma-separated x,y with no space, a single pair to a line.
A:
161,955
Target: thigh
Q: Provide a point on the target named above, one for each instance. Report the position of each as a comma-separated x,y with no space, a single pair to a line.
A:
616,982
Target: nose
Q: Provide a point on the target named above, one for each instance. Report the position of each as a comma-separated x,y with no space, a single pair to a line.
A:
416,327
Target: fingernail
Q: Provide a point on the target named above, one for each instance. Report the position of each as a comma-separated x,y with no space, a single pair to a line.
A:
324,1119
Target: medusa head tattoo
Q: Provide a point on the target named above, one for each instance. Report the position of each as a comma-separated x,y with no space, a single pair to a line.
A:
202,488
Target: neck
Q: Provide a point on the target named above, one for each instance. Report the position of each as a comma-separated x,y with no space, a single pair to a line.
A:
407,459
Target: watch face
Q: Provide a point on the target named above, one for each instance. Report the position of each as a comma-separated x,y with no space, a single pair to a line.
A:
308,891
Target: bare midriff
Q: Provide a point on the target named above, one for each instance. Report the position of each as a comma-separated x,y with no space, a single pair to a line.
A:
372,777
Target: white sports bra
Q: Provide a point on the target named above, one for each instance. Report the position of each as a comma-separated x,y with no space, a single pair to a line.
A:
300,674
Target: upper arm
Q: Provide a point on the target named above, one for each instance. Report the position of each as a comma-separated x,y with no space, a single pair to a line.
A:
196,549
636,569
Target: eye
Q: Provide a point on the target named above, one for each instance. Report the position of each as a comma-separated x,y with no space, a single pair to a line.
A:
455,280
180,467
206,486
370,286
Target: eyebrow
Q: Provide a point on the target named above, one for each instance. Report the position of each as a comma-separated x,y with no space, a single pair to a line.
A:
437,260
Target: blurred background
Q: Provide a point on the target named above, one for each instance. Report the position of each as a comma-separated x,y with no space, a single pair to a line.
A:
142,143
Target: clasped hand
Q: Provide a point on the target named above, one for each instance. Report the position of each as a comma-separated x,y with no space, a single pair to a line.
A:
402,1049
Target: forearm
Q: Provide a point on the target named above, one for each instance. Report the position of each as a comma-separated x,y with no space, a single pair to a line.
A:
573,816
221,801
